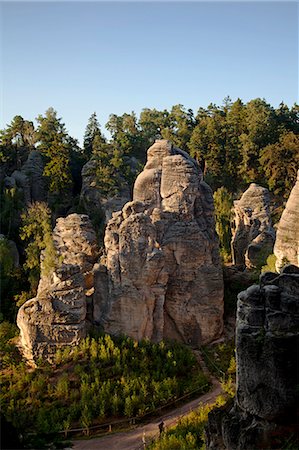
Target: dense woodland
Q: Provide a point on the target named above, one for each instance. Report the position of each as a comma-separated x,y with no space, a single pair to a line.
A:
235,144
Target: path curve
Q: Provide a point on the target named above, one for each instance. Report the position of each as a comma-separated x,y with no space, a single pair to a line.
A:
132,440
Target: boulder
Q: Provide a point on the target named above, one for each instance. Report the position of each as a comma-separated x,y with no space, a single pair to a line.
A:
267,336
286,247
164,275
57,316
253,234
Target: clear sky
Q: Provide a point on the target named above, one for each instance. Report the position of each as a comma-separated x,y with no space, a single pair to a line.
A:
116,57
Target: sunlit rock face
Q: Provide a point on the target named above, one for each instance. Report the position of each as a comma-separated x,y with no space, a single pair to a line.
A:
267,340
57,316
164,276
286,247
253,236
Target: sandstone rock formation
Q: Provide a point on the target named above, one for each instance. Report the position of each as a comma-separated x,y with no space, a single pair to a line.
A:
267,336
29,180
57,316
162,267
253,236
286,247
93,199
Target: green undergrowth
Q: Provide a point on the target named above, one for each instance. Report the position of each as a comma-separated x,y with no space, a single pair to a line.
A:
220,359
101,380
188,434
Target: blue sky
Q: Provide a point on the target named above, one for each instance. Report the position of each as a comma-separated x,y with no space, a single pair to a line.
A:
116,57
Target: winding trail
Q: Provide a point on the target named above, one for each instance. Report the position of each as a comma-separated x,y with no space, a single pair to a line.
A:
132,440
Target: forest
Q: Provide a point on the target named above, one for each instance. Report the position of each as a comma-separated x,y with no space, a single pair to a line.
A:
235,144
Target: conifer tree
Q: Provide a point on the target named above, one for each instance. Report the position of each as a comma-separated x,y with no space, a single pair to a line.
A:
92,130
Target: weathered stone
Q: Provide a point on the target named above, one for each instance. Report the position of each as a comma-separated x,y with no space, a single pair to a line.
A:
57,316
29,179
253,236
286,247
33,169
267,336
162,257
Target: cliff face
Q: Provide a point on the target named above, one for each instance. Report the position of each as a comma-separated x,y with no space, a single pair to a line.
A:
160,276
29,180
162,259
57,316
267,336
253,237
286,247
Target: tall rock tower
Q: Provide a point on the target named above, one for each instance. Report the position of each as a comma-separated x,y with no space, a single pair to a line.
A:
162,275
286,247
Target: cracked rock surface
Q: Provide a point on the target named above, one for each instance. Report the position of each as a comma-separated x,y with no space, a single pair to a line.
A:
57,316
164,276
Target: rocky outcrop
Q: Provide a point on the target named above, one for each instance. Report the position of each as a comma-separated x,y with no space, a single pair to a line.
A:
267,336
253,235
29,179
33,169
162,268
94,200
57,316
286,247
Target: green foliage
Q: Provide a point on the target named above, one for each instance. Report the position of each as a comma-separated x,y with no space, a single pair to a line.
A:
9,354
36,231
11,204
280,162
55,145
103,378
223,203
11,280
270,266
188,434
219,358
92,131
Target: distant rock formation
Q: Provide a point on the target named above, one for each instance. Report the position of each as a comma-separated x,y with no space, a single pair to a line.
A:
57,316
267,336
164,275
29,180
286,247
253,237
93,199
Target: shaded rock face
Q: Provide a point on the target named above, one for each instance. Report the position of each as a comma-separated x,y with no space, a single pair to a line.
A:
94,201
286,247
29,179
253,237
267,336
57,316
164,276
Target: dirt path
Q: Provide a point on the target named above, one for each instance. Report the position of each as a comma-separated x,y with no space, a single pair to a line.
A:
132,440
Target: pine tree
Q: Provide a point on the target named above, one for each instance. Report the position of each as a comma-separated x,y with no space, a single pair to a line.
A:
55,145
92,130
